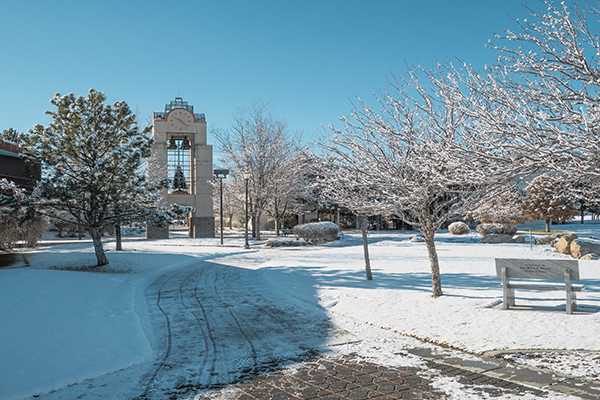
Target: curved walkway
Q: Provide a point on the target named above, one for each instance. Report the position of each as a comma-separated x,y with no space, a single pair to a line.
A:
216,325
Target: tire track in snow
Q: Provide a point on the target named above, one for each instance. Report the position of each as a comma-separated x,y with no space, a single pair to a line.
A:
221,327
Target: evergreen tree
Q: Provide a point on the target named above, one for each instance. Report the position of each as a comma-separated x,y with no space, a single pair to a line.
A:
548,199
11,135
93,155
179,184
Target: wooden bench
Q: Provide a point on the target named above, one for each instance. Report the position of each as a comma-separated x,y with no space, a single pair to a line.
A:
557,270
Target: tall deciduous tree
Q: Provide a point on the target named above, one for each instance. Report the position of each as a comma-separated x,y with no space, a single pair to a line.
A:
420,154
93,155
542,97
261,144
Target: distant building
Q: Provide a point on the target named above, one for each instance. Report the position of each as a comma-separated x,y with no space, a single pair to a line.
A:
14,168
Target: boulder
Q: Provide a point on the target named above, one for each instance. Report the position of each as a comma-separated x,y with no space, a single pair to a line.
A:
590,256
519,239
582,247
417,238
497,238
563,245
548,239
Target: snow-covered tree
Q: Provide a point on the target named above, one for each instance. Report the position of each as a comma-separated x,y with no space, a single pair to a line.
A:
11,135
541,100
547,199
506,207
261,144
420,154
179,184
93,155
339,185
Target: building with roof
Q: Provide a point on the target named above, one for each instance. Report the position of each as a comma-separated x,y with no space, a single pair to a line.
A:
15,168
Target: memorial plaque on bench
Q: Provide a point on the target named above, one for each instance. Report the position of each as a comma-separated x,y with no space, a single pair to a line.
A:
537,269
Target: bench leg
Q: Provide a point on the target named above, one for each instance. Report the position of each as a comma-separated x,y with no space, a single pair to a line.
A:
508,293
570,294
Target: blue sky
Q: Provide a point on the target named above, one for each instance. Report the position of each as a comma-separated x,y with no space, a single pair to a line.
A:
307,58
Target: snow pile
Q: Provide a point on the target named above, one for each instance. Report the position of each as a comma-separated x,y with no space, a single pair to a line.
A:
316,232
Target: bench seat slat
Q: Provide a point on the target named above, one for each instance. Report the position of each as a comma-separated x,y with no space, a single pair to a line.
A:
575,288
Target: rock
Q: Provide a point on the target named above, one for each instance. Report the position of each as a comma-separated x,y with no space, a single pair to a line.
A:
590,256
548,239
563,245
497,238
519,239
582,247
417,238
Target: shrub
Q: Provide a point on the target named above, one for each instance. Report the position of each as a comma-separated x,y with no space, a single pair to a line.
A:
237,224
31,231
497,229
316,232
459,228
277,242
9,234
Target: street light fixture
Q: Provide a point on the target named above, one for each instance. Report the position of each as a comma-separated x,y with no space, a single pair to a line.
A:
246,176
220,174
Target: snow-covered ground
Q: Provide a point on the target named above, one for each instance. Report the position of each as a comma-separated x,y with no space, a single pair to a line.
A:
61,326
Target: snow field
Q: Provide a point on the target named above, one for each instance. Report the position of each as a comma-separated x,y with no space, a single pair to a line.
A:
62,327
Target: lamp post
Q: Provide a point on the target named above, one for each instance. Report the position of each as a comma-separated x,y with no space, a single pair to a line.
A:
220,174
246,175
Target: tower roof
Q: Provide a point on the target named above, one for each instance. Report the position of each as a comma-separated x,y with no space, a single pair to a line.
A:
178,103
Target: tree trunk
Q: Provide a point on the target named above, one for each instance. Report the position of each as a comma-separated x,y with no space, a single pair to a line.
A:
436,280
257,228
364,228
547,225
582,216
118,237
100,256
276,227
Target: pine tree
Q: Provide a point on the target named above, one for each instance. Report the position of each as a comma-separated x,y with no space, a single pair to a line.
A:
548,199
179,184
93,155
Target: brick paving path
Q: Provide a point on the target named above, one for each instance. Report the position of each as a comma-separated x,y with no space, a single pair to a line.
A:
348,377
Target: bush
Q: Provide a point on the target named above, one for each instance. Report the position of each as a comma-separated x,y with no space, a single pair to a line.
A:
317,232
497,229
31,231
277,242
9,234
459,228
237,224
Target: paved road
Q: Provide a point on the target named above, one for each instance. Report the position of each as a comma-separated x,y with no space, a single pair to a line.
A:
219,324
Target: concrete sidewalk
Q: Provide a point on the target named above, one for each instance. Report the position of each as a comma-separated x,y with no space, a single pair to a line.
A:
488,370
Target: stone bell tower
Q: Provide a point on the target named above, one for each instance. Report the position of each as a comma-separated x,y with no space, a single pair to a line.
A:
180,152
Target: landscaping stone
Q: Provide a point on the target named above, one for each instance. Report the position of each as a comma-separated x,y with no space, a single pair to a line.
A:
549,239
590,256
497,238
563,245
581,247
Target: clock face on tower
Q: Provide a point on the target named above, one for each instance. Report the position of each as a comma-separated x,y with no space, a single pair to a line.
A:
180,120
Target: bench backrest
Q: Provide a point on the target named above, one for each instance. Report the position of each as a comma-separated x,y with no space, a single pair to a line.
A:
537,269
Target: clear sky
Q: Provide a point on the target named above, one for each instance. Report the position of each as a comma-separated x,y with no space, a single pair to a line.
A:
308,58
